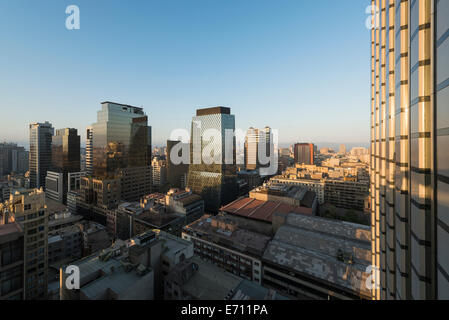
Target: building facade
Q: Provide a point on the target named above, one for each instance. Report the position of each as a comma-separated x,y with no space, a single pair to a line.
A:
215,182
27,207
40,153
304,153
409,139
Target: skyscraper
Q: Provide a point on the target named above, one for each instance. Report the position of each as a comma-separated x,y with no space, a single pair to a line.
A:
40,152
304,153
176,173
253,142
65,159
342,149
89,151
122,148
12,159
215,181
409,153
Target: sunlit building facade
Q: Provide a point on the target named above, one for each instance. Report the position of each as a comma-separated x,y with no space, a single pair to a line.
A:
409,148
216,182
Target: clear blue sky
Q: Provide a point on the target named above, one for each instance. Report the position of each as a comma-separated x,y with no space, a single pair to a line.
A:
298,66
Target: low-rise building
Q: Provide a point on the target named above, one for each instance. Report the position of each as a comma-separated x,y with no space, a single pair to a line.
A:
318,258
219,240
195,279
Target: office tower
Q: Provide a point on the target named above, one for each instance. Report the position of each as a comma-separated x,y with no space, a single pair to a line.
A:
214,180
27,207
176,173
304,153
11,251
409,139
253,140
89,151
159,172
342,149
251,149
12,159
122,148
40,152
65,160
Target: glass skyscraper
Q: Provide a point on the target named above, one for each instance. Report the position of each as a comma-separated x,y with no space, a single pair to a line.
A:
40,153
121,147
216,182
410,148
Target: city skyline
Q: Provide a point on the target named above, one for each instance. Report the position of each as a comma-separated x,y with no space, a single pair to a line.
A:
169,74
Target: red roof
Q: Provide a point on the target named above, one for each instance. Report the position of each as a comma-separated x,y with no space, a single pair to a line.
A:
261,210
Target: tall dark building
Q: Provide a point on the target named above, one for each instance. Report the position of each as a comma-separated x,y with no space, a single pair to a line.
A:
304,153
176,173
215,181
409,149
65,160
40,153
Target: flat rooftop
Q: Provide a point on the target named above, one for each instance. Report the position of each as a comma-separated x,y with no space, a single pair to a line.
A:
213,110
331,251
210,282
261,210
240,239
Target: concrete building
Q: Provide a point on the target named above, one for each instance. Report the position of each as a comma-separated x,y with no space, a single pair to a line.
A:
195,279
27,207
11,262
40,153
221,241
13,159
346,193
409,139
159,173
252,178
89,151
304,153
65,245
288,194
177,172
317,258
134,269
120,272
170,213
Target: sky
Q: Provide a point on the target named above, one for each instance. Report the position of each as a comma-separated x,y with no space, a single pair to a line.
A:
298,66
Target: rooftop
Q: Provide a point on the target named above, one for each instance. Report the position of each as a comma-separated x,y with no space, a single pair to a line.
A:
220,230
261,210
327,250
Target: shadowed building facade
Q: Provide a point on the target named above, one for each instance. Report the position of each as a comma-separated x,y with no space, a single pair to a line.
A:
409,148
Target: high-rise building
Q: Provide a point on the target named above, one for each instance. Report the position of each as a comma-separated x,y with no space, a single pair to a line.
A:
216,180
40,153
159,172
304,153
27,207
253,140
65,160
89,151
409,139
122,148
12,159
342,149
176,173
